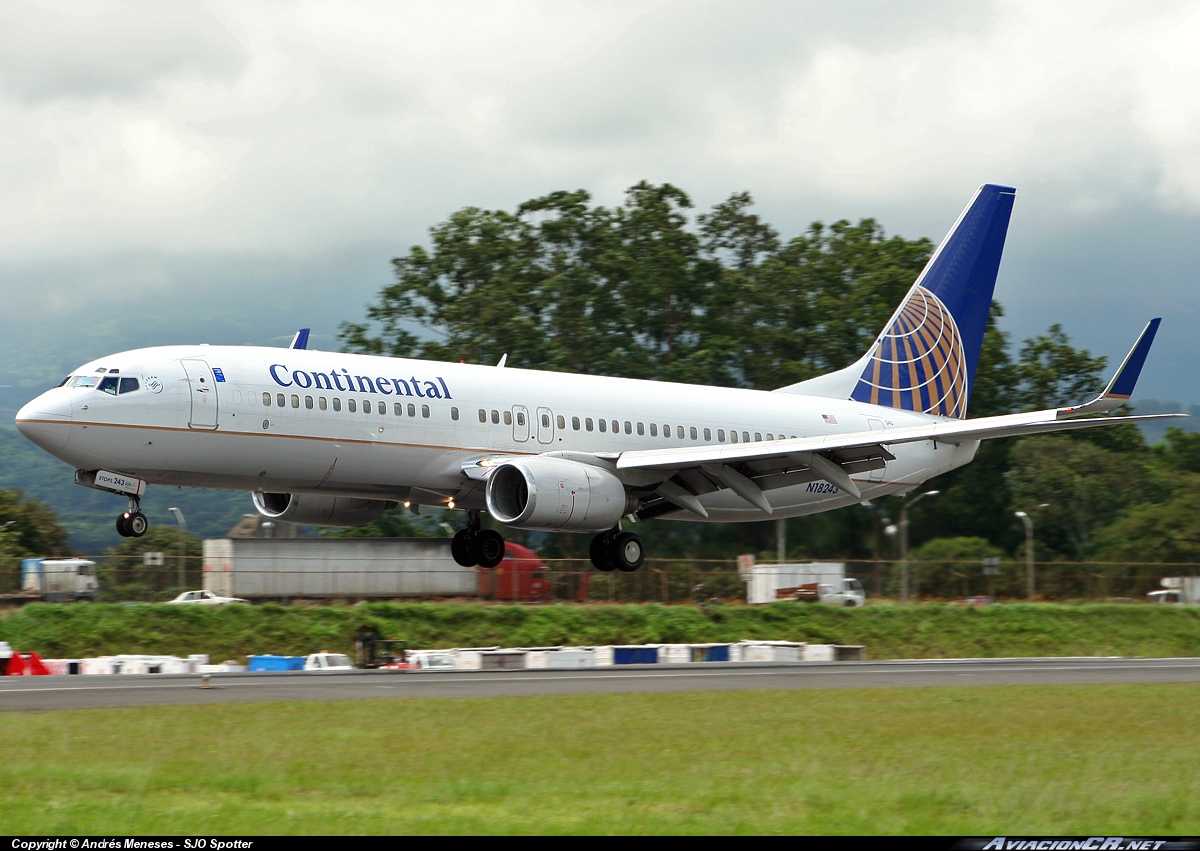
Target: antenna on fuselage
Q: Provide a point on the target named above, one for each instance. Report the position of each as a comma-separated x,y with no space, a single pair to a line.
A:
503,358
300,341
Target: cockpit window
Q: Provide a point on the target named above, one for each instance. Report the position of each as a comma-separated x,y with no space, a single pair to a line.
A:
84,381
109,384
128,385
63,383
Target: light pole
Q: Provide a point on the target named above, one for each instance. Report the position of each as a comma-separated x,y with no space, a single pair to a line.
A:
904,542
1028,521
182,541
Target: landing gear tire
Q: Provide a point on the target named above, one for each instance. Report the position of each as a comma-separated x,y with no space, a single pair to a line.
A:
460,549
599,551
137,524
488,548
626,552
123,525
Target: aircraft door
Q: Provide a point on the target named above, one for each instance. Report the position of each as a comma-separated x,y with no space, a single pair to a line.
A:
545,425
520,423
877,475
202,385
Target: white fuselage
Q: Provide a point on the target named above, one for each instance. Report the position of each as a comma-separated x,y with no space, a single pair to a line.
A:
302,421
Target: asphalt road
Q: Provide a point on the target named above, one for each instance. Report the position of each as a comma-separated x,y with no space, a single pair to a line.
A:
75,692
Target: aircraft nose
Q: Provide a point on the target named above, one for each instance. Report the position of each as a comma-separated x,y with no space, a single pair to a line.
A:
47,420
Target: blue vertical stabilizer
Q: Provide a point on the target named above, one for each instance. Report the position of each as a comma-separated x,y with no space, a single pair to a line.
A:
925,358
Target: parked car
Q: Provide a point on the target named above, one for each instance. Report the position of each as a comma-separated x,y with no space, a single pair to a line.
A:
204,598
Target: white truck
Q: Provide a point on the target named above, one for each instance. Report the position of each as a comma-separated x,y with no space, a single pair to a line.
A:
817,582
1178,590
56,580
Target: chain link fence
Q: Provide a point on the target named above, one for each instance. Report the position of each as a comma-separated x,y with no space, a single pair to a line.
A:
658,581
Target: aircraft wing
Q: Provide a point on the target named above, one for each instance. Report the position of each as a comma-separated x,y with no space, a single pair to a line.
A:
748,469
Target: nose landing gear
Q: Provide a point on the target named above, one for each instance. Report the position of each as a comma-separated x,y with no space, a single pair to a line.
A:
477,546
132,523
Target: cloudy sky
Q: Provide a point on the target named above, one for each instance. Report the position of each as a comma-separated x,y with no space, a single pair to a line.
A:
226,172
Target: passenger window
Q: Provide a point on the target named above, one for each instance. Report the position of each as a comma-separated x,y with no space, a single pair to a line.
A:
425,411
666,431
454,414
308,402
707,434
128,385
641,428
482,415
562,423
654,429
280,400
616,427
757,436
366,406
412,410
628,427
679,433
295,401
770,436
495,418
745,437
337,404
323,403
351,406
603,426
587,423
109,384
575,423
382,408
267,399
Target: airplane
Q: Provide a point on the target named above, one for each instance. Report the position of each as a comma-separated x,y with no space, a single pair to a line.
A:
337,439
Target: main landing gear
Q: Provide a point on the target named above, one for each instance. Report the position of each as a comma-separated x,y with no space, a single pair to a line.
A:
477,546
617,550
132,523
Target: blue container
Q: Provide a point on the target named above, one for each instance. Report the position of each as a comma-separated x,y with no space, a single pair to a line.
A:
635,655
276,663
720,653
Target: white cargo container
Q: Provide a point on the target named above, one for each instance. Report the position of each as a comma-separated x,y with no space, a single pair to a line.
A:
57,580
330,568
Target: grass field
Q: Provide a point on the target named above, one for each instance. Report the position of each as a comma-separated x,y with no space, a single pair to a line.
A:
927,630
1083,760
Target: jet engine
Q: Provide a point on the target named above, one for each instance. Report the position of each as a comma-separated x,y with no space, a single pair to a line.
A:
556,494
320,510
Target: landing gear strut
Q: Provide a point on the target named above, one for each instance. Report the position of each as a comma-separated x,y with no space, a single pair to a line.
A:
477,546
617,550
132,523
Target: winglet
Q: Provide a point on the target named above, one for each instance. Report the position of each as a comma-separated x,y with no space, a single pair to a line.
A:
300,341
1119,390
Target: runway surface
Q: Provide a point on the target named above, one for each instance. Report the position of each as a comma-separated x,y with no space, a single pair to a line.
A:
76,692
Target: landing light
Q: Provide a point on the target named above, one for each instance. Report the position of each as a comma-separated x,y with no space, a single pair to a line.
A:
450,504
485,462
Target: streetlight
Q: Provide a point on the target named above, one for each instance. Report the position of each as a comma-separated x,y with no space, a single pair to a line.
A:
182,539
904,542
1028,521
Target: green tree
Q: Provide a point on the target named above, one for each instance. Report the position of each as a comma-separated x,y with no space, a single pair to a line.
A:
123,575
35,529
952,567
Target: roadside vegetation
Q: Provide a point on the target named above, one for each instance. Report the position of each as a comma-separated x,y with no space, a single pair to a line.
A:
1051,760
927,630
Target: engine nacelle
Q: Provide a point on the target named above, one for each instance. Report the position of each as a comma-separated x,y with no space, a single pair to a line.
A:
320,510
551,494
